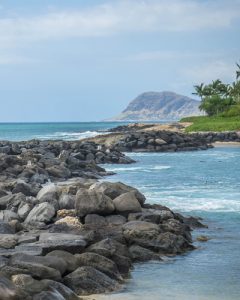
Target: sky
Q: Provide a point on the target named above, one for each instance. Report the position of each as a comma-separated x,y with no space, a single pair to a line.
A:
85,60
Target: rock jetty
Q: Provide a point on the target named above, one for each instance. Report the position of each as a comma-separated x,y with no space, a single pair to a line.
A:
64,234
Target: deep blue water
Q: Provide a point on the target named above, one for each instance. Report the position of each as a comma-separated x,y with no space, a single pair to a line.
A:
57,131
206,184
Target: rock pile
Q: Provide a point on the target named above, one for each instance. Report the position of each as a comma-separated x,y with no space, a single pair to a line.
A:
161,141
80,237
38,161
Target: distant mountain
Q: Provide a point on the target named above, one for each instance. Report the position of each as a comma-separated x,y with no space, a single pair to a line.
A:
155,106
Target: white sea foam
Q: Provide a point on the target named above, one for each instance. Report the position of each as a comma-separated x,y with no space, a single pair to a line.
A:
196,204
69,136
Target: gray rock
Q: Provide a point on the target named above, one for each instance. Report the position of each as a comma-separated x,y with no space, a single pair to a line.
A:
23,187
59,171
109,247
8,241
5,228
138,253
67,201
100,263
43,213
9,291
36,270
115,220
8,215
70,259
51,262
24,209
47,193
115,189
127,203
93,202
95,220
87,281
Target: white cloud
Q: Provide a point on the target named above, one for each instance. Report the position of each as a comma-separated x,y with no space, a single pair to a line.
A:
210,71
121,17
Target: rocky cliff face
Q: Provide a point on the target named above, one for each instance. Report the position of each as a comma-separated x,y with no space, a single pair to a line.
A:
159,106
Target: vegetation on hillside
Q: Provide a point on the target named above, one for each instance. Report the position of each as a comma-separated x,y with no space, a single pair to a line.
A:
221,103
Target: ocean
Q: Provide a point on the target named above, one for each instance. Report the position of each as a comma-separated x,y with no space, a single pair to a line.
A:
204,184
201,183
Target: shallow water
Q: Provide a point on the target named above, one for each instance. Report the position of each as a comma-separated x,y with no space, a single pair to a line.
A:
206,184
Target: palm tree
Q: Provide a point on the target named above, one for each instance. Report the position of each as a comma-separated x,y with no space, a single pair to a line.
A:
238,71
199,90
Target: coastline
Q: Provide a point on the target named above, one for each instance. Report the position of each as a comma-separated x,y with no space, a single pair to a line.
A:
55,211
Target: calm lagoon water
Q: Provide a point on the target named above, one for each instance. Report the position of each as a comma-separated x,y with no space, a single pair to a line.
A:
205,184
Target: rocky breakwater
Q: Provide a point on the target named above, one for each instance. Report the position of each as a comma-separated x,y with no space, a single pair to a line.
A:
212,137
38,161
80,237
160,141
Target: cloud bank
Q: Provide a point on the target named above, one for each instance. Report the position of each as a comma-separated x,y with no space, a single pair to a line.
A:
121,17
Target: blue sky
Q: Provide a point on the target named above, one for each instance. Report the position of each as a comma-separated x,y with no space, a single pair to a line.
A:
85,60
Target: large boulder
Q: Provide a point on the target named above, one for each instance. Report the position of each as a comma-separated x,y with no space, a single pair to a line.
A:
70,259
93,202
138,253
127,203
100,263
141,233
60,241
115,189
87,280
47,193
108,247
41,213
51,262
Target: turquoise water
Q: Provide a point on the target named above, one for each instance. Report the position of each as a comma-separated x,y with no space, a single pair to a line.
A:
205,184
64,131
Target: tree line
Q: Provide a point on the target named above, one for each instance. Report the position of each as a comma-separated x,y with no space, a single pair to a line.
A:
218,98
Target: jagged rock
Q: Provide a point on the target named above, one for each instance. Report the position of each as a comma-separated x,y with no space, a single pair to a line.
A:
115,189
87,280
41,213
93,202
127,203
100,263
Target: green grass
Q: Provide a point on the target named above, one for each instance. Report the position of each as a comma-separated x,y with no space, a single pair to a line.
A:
204,123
